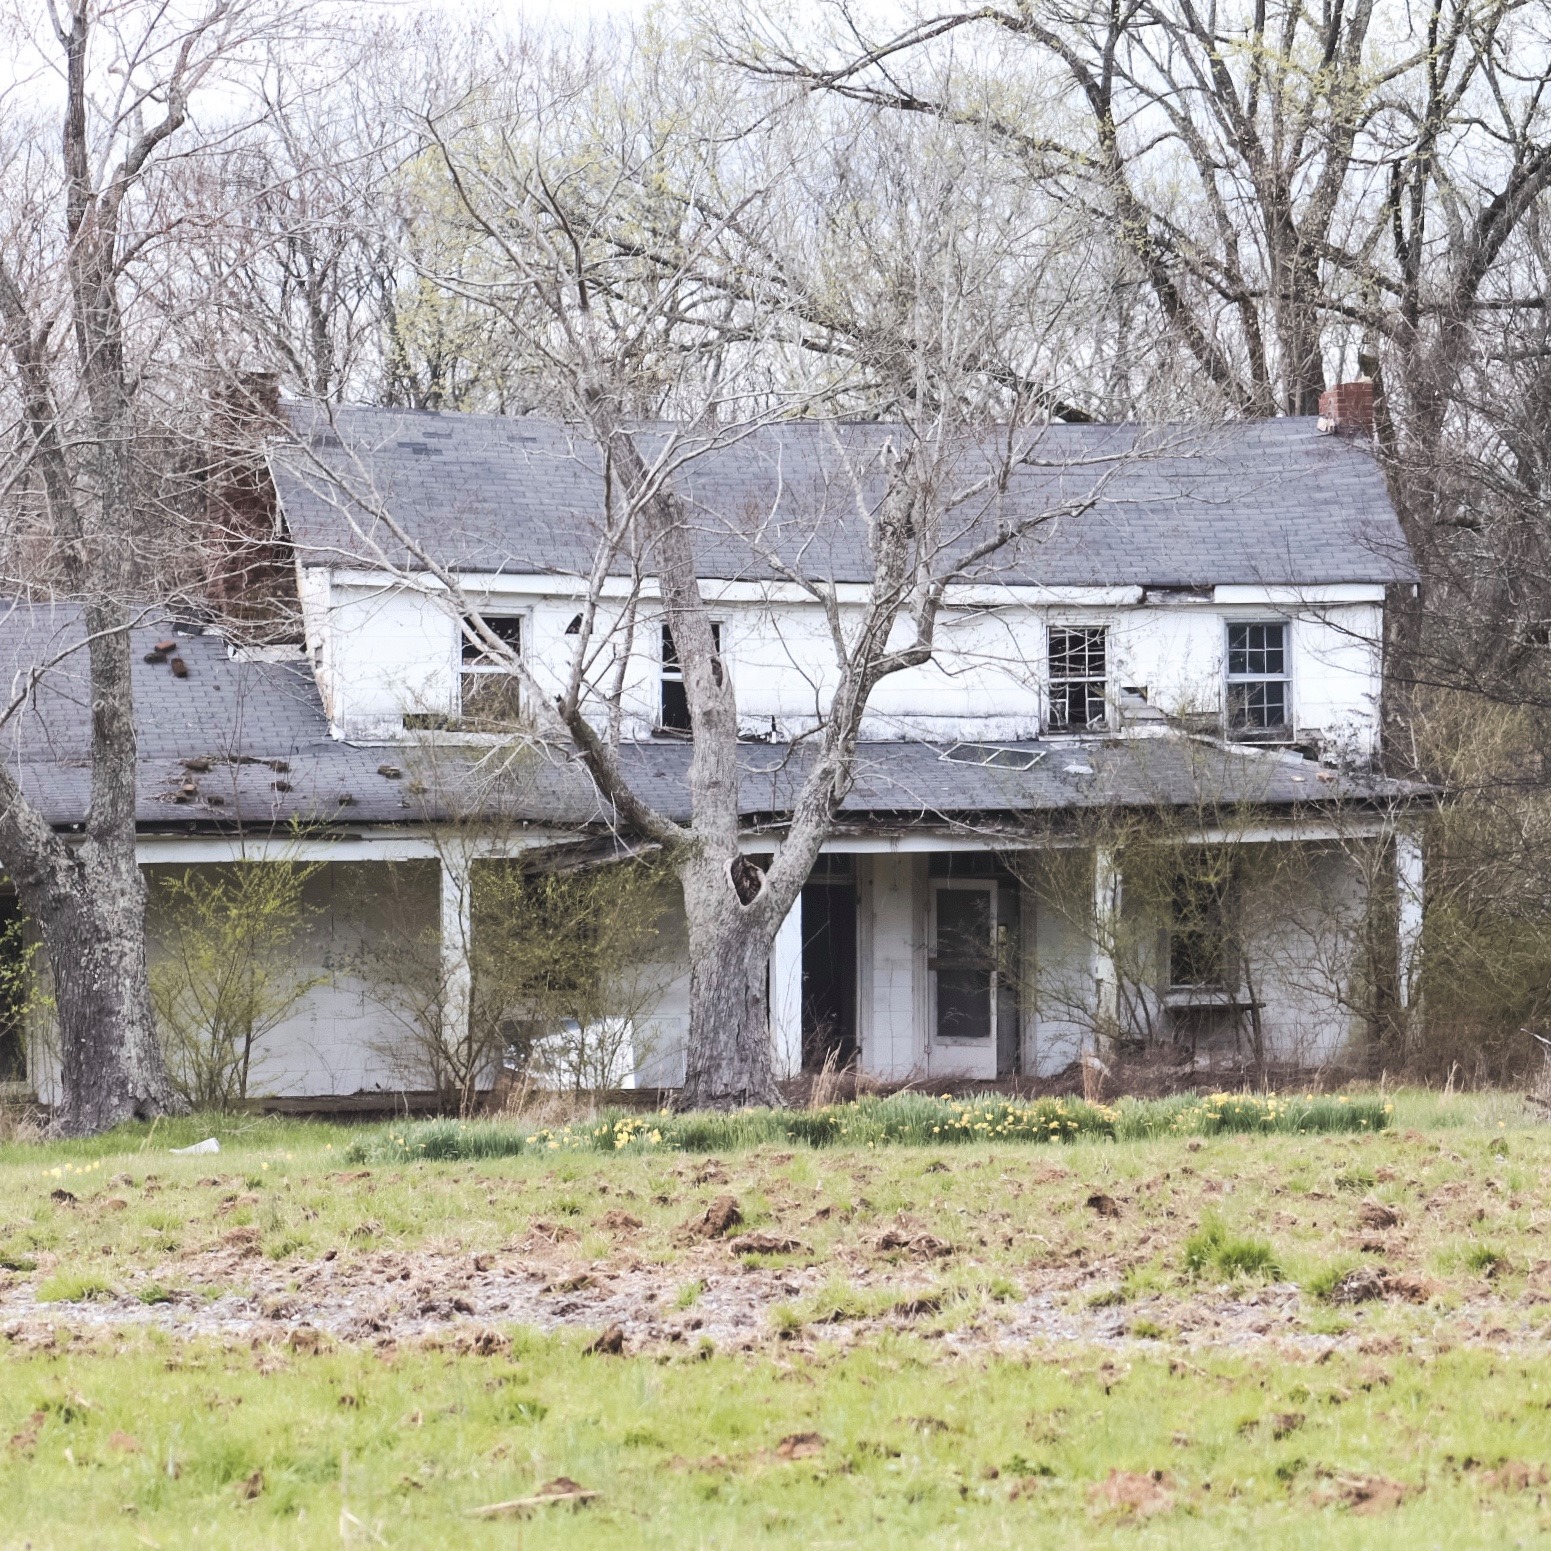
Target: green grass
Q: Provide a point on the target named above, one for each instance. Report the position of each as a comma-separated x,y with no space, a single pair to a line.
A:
1211,1248
71,1286
902,1120
940,1424
207,1446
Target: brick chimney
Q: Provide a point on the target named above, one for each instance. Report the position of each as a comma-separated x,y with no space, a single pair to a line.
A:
1347,409
248,570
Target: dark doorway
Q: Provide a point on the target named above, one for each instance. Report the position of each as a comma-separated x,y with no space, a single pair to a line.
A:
829,965
13,1054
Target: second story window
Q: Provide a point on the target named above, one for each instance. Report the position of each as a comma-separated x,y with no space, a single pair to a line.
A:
1078,678
673,714
488,687
1259,691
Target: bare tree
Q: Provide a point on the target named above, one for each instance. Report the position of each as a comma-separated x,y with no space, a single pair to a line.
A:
85,214
646,250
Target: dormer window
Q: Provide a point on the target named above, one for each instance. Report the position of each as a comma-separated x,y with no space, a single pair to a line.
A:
489,691
1079,678
1259,687
673,714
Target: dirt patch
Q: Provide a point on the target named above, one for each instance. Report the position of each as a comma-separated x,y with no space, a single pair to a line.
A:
719,1218
1366,1284
1135,1493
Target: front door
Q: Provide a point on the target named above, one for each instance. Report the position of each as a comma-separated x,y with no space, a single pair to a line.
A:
961,965
828,973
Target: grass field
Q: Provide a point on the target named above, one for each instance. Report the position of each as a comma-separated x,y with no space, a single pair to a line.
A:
1144,1336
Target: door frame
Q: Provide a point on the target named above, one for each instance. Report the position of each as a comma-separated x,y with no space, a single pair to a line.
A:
946,1056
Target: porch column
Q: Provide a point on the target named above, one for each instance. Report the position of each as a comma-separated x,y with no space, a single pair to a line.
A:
457,937
786,994
1409,899
1106,914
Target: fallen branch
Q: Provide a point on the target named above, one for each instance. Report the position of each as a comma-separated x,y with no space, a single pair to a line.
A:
558,1491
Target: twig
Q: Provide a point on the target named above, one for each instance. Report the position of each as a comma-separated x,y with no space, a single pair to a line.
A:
523,1504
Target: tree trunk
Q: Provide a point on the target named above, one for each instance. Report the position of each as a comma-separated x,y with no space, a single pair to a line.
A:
90,907
730,1059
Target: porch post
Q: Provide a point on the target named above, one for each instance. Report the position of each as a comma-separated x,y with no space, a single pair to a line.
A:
457,935
1409,900
786,994
1106,912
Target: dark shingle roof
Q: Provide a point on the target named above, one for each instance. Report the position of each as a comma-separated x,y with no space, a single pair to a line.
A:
1268,501
246,716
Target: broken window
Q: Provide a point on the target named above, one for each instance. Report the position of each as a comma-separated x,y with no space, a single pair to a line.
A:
488,687
673,715
1078,678
1259,697
1198,955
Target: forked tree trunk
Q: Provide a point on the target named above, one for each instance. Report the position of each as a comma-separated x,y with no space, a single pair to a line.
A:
731,1060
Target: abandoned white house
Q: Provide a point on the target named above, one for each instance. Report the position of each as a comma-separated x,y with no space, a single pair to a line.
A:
1196,655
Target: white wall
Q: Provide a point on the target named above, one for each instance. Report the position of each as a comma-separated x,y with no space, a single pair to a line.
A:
384,651
1304,921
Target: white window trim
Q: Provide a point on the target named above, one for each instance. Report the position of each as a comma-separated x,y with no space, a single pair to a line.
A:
1288,731
461,669
1047,717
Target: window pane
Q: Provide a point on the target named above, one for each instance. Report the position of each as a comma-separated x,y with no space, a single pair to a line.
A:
675,706
504,627
963,923
1078,706
1197,946
492,700
1256,649
963,1004
964,963
1077,678
1077,652
670,648
1257,706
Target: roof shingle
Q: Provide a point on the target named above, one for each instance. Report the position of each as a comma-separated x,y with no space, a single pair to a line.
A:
1271,502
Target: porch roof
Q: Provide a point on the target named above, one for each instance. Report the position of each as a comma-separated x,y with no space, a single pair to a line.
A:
260,731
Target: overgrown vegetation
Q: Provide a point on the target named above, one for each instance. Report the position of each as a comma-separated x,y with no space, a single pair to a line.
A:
903,1120
226,970
563,968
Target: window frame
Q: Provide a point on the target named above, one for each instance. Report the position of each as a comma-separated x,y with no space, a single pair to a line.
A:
472,662
1285,731
989,887
1053,628
671,671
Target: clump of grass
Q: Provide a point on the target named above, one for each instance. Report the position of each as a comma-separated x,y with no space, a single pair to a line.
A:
1212,1248
1484,1260
689,1294
73,1287
1323,1282
901,1120
438,1141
